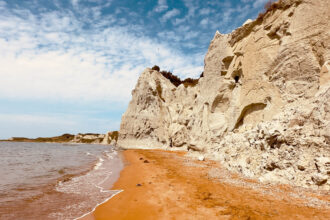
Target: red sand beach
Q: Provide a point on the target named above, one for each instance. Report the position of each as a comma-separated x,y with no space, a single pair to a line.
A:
167,185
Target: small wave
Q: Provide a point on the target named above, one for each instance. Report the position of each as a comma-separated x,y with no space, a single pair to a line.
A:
105,179
110,154
115,193
98,164
66,178
91,188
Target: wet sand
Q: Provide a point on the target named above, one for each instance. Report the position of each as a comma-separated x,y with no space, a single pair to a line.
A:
167,185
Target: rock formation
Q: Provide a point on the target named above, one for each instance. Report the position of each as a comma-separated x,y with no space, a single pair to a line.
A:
262,106
88,138
64,138
110,138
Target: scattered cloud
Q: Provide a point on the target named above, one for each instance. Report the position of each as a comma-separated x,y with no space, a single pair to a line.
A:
178,21
204,22
2,4
161,6
204,11
74,2
192,7
54,58
170,14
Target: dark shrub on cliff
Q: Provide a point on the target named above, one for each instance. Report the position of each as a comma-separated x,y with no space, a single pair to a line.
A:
173,78
190,82
269,6
156,68
272,5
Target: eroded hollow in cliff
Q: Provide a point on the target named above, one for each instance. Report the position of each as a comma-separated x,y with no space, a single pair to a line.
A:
220,104
225,64
237,75
236,79
248,110
227,61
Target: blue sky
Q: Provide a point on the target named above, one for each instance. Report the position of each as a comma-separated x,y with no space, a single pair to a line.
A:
70,65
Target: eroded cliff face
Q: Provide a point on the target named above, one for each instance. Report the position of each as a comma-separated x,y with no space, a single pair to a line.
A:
262,106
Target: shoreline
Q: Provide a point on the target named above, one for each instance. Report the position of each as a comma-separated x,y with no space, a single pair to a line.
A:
89,215
158,184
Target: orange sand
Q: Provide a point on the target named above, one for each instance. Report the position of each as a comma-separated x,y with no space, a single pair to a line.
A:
176,187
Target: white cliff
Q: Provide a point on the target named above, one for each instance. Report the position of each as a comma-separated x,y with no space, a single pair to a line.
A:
262,106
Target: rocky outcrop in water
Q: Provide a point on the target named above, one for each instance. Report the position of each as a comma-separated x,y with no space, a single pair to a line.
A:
262,106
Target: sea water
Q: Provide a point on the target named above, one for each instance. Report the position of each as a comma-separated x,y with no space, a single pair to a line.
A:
55,181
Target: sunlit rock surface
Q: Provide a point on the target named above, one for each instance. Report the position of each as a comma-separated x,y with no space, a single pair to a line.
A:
262,106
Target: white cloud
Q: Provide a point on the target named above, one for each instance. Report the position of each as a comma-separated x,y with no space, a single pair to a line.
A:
53,58
3,4
169,35
192,7
57,75
178,21
74,2
205,11
190,35
204,22
161,6
170,14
